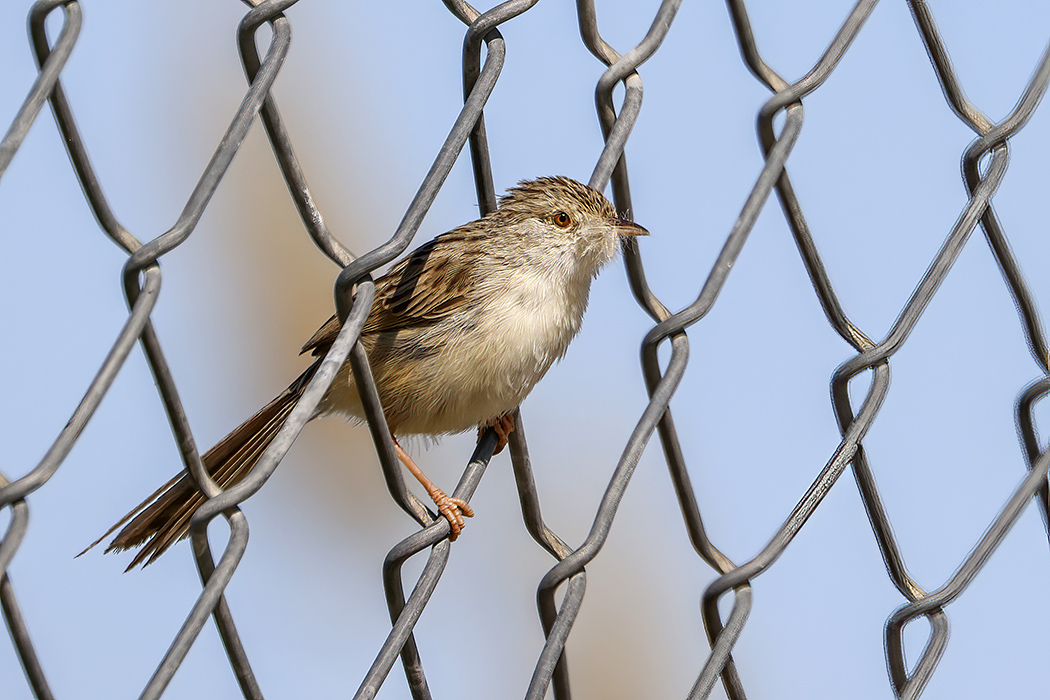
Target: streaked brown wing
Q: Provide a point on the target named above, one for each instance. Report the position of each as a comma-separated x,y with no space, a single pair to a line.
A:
320,341
435,281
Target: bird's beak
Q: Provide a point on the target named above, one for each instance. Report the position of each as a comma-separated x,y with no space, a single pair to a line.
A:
629,228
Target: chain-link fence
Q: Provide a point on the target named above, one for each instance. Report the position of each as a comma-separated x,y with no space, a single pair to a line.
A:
726,601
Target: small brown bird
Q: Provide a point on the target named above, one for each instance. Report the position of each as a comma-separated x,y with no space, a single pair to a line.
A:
459,333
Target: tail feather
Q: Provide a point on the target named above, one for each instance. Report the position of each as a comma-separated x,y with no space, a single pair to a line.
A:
229,472
164,518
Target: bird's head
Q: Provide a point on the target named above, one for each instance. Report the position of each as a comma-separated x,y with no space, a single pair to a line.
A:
563,215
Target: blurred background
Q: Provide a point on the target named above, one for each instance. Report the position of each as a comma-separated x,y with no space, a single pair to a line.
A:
368,100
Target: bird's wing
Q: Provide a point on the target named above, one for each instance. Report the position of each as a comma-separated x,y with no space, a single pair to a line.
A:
322,339
434,282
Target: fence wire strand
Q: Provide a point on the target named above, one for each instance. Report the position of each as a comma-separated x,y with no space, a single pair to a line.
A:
561,591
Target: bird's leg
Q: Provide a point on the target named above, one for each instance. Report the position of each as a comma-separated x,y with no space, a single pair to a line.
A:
504,426
454,509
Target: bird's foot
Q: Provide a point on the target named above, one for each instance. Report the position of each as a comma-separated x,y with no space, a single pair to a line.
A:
504,426
454,510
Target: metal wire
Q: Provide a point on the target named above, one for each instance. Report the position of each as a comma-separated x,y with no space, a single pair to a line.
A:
984,165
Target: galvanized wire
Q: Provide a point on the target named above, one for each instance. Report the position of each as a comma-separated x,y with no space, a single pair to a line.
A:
984,165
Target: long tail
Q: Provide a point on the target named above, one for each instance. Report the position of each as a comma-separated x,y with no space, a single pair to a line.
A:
164,518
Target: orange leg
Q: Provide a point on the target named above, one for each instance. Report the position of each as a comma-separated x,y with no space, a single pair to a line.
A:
454,509
503,426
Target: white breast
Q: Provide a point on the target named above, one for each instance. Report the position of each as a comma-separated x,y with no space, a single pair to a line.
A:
522,334
490,356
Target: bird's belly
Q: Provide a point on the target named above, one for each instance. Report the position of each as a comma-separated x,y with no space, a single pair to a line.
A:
470,380
463,371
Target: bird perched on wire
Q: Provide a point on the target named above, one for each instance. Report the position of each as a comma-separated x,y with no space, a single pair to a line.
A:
459,333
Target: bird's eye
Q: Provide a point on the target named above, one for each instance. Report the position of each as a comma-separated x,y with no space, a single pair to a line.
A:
562,220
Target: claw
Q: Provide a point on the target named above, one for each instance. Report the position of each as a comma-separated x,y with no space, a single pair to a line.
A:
454,510
504,426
